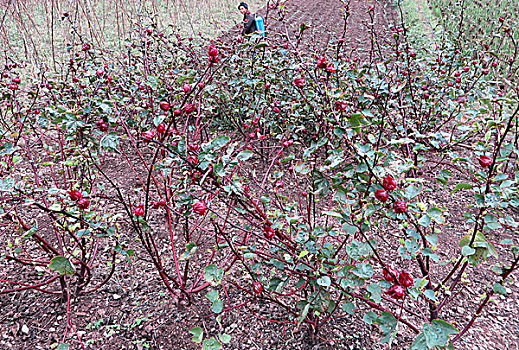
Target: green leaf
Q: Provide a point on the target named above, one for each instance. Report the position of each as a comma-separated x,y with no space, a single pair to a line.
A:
110,141
213,274
212,295
62,346
349,308
369,317
499,289
219,142
429,294
217,306
363,271
303,315
467,251
419,343
198,334
62,265
211,344
425,221
324,281
375,290
437,333
462,186
388,325
411,192
7,184
244,155
190,251
225,338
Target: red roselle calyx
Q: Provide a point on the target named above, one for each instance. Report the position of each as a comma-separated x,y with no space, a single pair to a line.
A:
405,279
161,128
382,195
199,207
400,207
213,51
257,287
485,161
160,203
299,82
390,274
75,195
139,210
189,108
389,183
164,105
148,135
269,232
83,203
396,292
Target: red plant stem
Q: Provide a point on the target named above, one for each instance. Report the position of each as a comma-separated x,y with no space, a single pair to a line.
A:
30,286
172,241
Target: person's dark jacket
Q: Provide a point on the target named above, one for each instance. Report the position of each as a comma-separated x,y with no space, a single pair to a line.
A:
249,24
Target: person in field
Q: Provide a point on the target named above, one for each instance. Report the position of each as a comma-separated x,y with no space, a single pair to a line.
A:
249,23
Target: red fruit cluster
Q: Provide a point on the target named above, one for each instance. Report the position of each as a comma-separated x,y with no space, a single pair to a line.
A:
485,161
322,62
199,207
404,280
75,195
102,125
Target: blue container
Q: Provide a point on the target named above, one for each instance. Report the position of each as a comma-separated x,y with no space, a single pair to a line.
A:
260,25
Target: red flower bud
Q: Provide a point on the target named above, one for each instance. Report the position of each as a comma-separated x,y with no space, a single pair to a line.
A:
269,232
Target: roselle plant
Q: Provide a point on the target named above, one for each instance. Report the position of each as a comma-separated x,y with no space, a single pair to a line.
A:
303,178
